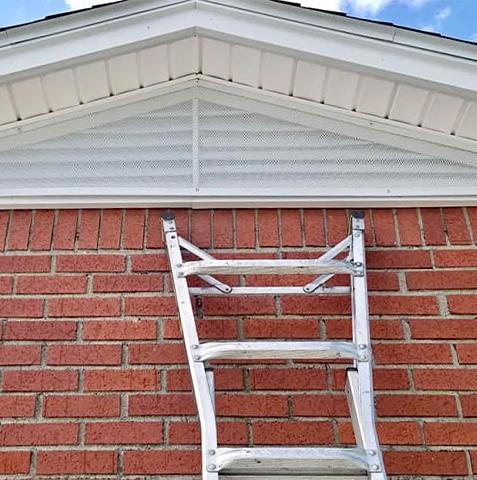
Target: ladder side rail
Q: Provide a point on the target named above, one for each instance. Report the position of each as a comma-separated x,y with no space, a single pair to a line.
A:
201,386
364,366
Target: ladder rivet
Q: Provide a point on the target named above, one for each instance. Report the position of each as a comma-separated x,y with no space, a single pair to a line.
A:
211,452
362,346
196,357
211,467
375,467
194,347
363,358
372,453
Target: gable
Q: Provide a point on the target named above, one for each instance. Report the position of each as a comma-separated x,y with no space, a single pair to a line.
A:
199,146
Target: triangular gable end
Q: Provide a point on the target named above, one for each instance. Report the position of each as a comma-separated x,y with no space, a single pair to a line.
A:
200,146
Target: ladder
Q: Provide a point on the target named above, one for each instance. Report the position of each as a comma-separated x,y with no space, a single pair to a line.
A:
285,463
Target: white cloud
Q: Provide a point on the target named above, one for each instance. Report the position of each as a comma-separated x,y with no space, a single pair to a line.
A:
443,13
79,4
360,7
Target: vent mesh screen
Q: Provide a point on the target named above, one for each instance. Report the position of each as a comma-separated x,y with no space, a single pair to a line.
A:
232,152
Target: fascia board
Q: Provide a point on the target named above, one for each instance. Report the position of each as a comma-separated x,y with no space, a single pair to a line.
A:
370,48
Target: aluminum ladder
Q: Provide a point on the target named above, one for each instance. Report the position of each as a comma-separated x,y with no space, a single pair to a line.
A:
359,462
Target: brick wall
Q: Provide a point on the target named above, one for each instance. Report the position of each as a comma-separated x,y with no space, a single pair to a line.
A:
93,380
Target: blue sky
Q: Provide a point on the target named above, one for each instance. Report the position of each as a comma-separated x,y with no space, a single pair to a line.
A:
455,18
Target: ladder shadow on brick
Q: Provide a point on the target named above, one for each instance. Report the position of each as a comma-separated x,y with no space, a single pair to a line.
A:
266,463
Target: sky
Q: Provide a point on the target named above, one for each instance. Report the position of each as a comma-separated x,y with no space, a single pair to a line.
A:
454,18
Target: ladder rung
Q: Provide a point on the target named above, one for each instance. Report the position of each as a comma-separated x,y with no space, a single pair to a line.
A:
291,461
275,350
264,267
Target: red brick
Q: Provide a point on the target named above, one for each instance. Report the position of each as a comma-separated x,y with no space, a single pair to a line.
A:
414,405
445,379
39,380
42,230
12,463
467,353
76,463
456,226
384,259
155,236
384,379
15,406
469,405
442,280
128,283
238,305
412,353
121,380
462,303
110,229
49,284
401,305
384,227
25,264
188,433
434,232
450,433
4,220
225,379
21,307
283,328
6,285
162,404
133,236
84,355
425,463
90,263
380,329
31,434
315,305
19,355
443,328
154,354
390,433
455,258
81,406
288,379
161,462
323,405
382,281
292,433
268,228
243,405
245,228
150,262
123,433
409,229
208,329
291,231
223,229
64,235
120,330
201,228
336,226
83,307
314,228
89,229
150,306
19,231
40,330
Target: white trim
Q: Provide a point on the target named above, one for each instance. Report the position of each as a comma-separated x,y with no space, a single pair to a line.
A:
314,35
71,201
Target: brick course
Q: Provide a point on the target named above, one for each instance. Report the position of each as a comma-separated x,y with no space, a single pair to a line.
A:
92,368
